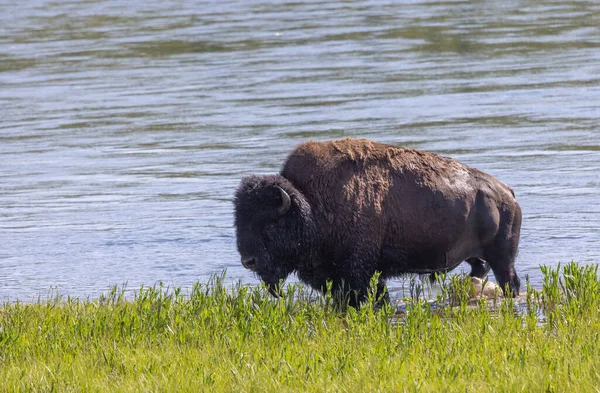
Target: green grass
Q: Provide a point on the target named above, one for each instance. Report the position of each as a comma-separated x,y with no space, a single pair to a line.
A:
220,338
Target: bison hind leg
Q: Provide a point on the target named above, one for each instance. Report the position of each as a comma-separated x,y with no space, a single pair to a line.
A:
479,267
501,257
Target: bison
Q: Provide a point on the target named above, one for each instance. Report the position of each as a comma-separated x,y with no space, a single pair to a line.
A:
342,210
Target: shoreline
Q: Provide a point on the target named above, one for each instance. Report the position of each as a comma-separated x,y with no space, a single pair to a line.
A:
240,339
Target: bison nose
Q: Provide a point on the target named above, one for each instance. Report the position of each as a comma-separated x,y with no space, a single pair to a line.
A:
249,263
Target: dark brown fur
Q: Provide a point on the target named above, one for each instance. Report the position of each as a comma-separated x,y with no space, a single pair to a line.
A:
358,207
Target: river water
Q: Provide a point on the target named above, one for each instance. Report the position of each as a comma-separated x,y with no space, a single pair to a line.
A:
125,126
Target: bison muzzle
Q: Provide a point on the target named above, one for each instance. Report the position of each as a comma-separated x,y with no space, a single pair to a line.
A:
343,210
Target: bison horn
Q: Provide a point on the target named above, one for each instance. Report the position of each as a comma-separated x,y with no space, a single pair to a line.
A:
286,202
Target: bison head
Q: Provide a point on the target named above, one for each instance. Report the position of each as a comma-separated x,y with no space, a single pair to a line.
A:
270,216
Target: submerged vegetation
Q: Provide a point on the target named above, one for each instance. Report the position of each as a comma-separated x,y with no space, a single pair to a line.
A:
237,338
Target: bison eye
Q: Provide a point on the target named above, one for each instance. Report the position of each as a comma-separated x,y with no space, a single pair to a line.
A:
269,231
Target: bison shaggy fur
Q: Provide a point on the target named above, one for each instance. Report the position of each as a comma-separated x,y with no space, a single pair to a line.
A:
340,211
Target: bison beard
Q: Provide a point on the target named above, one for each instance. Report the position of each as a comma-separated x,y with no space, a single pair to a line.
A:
343,210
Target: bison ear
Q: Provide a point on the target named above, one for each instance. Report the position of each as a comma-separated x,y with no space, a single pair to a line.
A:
286,203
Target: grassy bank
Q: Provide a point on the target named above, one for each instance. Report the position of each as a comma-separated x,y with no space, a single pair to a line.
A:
223,339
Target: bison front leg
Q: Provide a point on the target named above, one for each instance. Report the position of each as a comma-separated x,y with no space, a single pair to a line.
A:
347,294
354,287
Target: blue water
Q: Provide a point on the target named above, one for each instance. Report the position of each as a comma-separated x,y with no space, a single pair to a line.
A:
126,126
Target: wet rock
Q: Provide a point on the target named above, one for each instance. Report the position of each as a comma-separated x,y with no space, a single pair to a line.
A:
489,290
